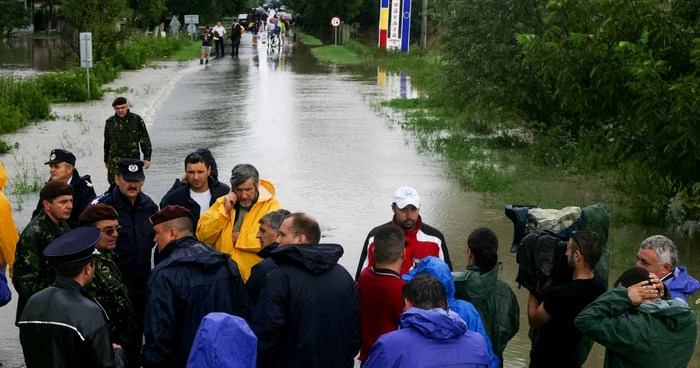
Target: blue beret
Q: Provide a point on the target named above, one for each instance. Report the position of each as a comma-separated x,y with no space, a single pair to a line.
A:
74,246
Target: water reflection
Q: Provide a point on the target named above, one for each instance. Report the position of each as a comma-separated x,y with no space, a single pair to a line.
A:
25,53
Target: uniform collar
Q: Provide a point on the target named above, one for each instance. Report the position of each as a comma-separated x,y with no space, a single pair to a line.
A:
384,272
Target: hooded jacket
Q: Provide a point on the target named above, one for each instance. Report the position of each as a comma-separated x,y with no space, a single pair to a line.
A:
83,194
421,241
8,230
308,314
181,197
680,284
259,272
223,341
429,338
215,227
192,281
658,334
5,293
438,268
494,300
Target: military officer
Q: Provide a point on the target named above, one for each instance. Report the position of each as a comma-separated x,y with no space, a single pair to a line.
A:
108,287
32,273
125,137
133,252
61,325
62,168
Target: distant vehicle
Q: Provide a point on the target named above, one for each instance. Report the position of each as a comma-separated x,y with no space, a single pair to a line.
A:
243,18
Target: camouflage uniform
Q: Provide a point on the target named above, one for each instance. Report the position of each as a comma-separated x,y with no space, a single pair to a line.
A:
32,272
109,290
122,140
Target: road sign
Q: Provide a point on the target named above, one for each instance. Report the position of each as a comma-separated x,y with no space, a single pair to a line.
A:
191,28
174,23
335,22
191,19
86,50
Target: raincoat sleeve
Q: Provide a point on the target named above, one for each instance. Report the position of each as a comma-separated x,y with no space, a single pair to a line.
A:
212,223
377,356
144,140
103,352
159,329
606,323
268,316
5,294
476,325
8,235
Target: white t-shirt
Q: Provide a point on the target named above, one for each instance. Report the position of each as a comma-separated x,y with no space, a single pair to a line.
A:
202,199
219,31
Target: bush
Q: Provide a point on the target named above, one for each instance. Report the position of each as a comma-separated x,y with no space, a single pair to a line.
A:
136,53
70,86
21,101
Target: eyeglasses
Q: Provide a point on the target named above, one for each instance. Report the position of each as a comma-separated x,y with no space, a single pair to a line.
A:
110,230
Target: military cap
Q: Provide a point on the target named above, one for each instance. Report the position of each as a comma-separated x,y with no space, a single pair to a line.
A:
60,155
54,189
119,101
169,213
74,246
131,169
97,212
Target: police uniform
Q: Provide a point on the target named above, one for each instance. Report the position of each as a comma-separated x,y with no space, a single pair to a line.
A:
32,272
62,326
122,139
108,288
135,242
83,191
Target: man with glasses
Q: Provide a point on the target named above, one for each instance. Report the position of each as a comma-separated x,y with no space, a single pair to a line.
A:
557,342
108,287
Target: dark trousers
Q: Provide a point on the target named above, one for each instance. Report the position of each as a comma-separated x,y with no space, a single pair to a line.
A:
235,44
220,45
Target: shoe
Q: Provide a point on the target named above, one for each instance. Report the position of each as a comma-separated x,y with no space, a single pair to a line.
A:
201,62
206,62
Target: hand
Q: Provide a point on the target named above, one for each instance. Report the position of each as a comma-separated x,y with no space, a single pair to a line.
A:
229,201
116,346
236,234
642,292
658,284
146,164
107,166
184,179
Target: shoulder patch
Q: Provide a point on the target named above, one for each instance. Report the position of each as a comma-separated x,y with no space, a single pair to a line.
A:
98,198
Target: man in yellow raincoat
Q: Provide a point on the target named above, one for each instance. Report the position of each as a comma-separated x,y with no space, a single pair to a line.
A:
232,222
8,231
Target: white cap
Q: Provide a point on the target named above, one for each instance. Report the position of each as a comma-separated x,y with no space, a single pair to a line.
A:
405,196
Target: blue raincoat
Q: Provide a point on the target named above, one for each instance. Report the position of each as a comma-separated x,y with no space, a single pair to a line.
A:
223,341
437,268
680,284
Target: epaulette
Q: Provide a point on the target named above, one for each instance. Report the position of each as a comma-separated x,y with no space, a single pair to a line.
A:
99,198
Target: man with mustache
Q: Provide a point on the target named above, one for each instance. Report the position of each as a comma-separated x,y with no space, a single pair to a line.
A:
108,287
133,252
32,271
422,240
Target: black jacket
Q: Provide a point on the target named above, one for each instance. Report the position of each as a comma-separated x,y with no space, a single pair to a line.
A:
135,242
181,197
256,281
308,314
83,194
62,327
191,281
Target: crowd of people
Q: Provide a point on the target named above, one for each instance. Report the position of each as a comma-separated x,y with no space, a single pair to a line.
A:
220,275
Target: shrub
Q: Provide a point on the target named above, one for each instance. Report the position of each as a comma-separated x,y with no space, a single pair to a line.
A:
21,101
70,86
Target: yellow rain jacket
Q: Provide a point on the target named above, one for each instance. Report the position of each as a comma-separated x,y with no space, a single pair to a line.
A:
8,231
215,227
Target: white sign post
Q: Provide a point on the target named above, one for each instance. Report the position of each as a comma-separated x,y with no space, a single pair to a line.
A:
335,22
191,20
86,56
393,42
175,27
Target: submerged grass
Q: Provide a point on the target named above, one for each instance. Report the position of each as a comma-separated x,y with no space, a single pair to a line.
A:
308,40
335,55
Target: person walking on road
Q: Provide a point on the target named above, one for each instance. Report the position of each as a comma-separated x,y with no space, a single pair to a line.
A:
62,168
236,33
62,326
191,281
422,240
219,33
8,230
205,54
32,271
126,136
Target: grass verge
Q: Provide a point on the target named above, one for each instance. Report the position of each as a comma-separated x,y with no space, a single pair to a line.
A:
308,40
188,52
335,55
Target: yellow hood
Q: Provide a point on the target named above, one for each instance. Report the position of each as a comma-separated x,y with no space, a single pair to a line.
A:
3,176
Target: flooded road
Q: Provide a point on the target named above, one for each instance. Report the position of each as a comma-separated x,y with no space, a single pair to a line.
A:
312,131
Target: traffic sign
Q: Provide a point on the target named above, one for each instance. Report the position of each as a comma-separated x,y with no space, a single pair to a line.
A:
335,22
85,50
191,29
191,19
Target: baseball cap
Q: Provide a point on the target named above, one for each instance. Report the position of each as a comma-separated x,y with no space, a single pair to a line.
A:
405,196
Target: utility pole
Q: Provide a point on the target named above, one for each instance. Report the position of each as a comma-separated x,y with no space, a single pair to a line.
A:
424,25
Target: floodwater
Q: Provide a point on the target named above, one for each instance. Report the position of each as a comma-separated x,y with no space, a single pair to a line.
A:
313,132
26,54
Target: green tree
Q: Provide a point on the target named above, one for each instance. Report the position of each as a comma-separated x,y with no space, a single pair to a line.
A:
12,15
318,13
105,19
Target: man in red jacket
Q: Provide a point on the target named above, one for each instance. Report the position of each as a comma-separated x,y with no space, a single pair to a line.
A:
422,240
381,300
